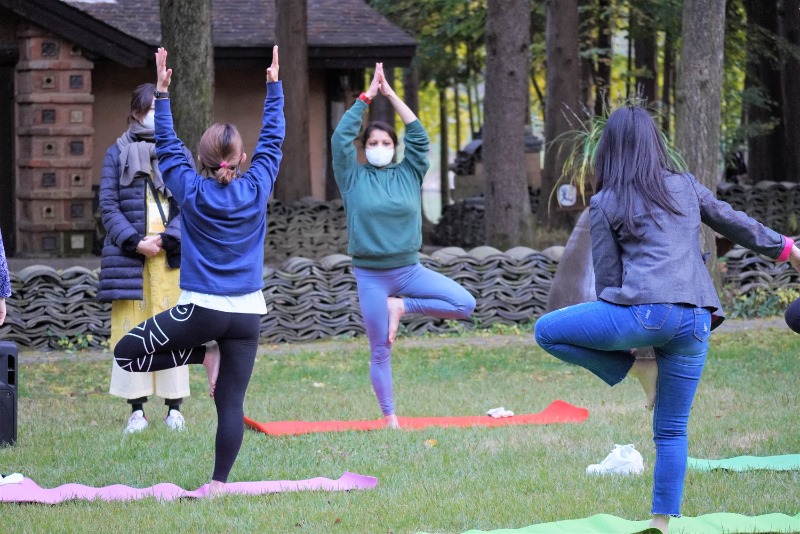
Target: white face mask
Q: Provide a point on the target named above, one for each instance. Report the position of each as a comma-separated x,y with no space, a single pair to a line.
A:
380,156
149,120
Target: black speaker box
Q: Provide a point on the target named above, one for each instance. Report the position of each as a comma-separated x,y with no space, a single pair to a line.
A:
8,393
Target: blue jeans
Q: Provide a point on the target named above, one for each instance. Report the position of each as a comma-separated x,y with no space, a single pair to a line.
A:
598,336
424,291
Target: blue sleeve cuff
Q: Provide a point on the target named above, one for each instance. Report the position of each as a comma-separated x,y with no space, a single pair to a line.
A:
275,89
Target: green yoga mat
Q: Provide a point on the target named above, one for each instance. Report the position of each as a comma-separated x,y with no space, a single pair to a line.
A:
721,523
786,462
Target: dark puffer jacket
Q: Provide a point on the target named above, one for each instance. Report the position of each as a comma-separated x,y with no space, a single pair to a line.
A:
123,211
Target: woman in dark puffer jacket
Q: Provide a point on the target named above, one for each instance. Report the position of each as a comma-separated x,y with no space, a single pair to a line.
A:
139,269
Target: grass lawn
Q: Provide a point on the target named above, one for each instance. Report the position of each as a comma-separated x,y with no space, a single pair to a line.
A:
436,480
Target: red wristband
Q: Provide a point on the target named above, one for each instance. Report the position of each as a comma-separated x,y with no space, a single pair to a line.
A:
363,97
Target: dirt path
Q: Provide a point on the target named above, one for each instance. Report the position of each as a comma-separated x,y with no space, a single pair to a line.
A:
38,356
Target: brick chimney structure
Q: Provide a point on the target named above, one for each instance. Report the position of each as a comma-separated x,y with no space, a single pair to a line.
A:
53,146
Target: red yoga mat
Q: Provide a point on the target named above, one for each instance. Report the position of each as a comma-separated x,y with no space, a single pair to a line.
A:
558,412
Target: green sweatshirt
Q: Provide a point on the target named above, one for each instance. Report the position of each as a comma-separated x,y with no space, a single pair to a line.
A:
384,213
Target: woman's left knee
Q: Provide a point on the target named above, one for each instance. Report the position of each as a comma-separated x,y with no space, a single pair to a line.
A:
120,348
539,332
467,306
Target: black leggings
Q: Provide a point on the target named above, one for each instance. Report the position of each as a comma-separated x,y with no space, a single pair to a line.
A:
176,337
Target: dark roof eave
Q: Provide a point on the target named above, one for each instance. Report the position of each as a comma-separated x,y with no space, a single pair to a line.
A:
101,39
89,33
322,57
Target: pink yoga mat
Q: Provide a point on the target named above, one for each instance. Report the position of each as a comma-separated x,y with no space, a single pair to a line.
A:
29,491
558,412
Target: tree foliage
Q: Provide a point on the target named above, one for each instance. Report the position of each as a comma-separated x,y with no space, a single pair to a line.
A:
449,33
452,50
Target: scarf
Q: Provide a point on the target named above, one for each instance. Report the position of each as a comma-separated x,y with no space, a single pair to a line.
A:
137,157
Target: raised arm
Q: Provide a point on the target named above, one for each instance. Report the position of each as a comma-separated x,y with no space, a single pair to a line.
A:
343,152
176,168
416,138
267,157
406,115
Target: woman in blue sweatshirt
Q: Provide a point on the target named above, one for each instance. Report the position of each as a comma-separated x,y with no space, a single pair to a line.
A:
384,225
224,225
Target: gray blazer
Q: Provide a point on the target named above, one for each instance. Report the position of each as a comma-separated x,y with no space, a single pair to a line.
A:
665,264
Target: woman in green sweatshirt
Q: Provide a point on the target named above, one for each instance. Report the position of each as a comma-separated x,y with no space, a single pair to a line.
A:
384,224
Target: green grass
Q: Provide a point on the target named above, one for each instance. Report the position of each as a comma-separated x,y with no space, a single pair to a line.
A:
70,430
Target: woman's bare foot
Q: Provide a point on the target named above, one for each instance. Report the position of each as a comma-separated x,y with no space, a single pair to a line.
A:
646,371
216,488
392,422
661,522
396,310
211,363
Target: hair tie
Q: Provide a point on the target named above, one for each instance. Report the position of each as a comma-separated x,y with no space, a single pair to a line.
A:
223,164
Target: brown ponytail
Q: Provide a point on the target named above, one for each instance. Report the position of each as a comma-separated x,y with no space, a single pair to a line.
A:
220,152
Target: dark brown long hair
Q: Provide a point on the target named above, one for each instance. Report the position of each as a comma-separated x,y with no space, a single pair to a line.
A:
378,125
632,162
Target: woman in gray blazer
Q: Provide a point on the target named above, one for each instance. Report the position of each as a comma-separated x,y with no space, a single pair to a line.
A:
653,287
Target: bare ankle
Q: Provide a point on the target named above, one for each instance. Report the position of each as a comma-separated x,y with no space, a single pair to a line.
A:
646,372
392,422
661,522
211,362
216,488
397,309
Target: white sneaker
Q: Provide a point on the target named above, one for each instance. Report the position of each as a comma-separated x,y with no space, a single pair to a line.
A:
623,460
136,422
13,478
175,420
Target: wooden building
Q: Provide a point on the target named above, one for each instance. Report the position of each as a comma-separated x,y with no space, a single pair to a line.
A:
67,70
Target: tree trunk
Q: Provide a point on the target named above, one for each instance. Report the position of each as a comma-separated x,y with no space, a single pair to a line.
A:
603,76
411,89
587,79
507,213
294,177
470,102
470,112
699,101
666,88
444,153
457,114
381,109
411,98
790,78
764,151
186,35
585,31
562,91
645,48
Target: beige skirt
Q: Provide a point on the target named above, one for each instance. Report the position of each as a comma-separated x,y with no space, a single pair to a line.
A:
161,292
